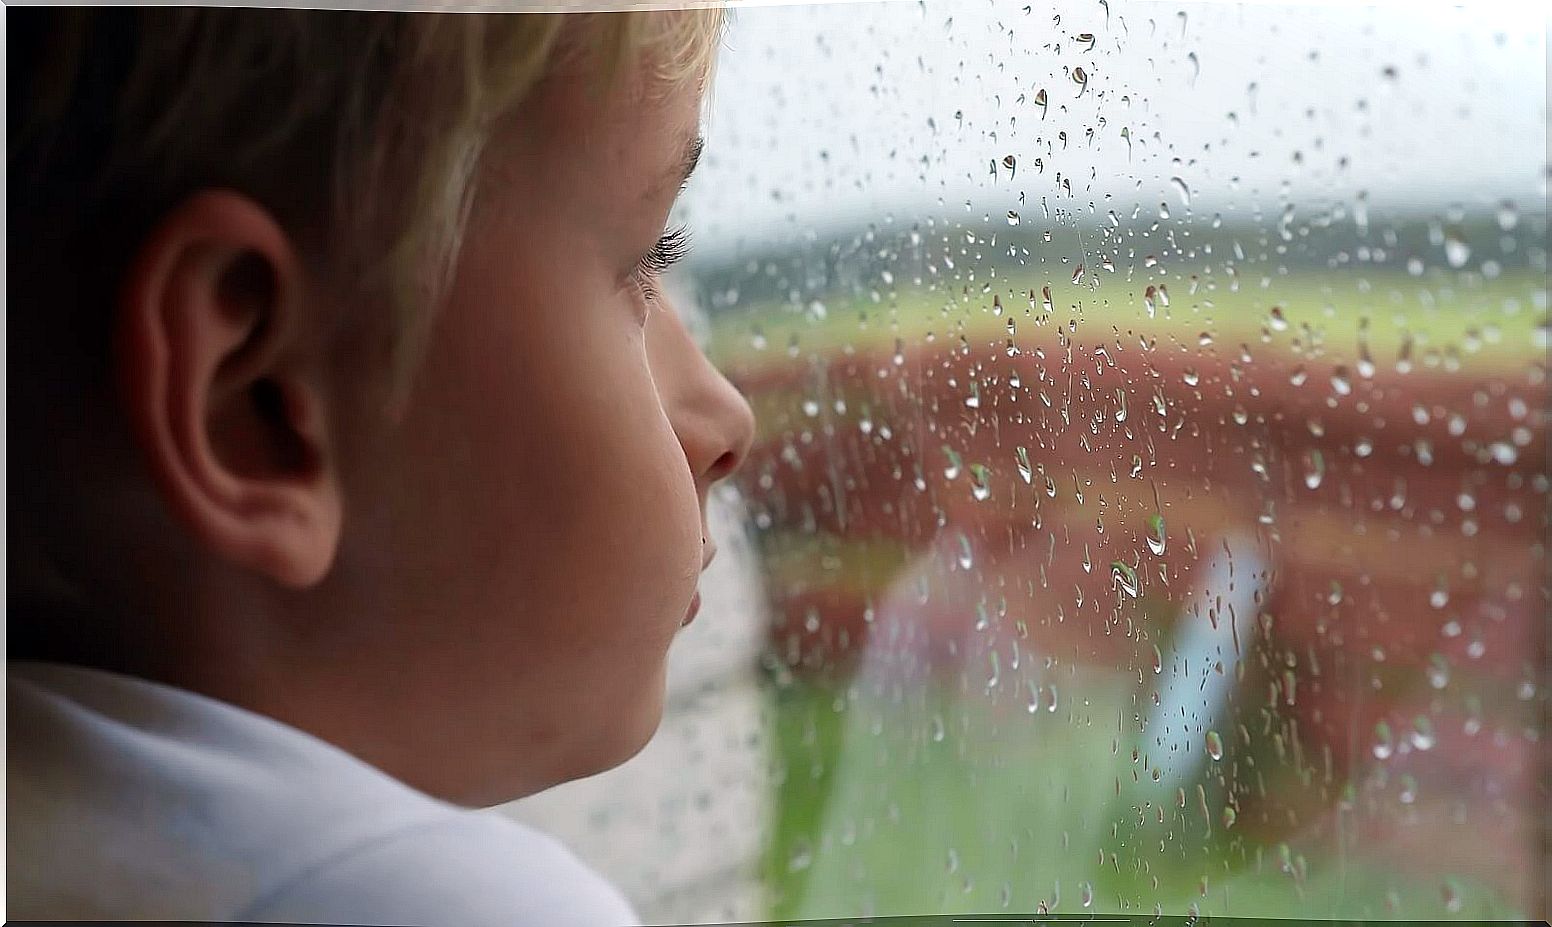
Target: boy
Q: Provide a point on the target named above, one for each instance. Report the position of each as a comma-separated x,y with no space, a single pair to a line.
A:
358,473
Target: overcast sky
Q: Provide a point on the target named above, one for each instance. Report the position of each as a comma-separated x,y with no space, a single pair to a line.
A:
835,113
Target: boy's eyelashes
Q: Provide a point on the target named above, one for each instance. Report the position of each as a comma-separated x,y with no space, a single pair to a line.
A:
669,250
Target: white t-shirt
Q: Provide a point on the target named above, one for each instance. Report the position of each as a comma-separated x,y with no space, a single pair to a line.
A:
128,799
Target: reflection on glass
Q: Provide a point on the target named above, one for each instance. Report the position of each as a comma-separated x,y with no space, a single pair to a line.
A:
1151,479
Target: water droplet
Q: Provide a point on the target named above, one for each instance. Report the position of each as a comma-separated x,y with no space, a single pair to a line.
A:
1365,362
1077,273
1384,743
1340,383
1438,671
1021,455
951,472
1334,594
1033,705
1503,453
1450,894
1214,745
1156,534
1182,189
1422,736
1124,577
1456,251
980,483
1013,217
1314,469
1508,216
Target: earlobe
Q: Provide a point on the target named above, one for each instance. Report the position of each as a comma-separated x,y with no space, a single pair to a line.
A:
220,378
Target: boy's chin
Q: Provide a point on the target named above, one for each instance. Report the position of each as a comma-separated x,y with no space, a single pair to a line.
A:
623,735
608,750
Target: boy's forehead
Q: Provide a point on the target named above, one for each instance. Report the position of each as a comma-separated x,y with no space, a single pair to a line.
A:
645,130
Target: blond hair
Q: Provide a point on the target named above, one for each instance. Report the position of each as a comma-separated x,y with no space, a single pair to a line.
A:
361,131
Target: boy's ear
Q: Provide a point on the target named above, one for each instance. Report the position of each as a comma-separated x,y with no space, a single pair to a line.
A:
224,390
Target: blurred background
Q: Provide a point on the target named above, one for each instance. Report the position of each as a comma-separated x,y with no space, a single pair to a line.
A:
1149,508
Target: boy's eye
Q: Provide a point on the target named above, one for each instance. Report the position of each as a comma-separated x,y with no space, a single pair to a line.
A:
668,250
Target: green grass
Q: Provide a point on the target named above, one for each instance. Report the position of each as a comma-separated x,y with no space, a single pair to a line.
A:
1483,322
933,803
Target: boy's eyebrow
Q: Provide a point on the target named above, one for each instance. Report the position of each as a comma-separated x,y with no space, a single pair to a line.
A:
692,157
679,174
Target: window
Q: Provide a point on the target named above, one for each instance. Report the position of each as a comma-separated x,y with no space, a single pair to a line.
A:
1151,486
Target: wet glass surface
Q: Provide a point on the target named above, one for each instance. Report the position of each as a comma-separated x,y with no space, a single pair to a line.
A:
1151,480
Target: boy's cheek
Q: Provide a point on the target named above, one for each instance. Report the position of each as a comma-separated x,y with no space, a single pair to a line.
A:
543,469
569,463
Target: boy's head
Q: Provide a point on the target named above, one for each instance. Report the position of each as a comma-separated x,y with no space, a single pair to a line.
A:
343,390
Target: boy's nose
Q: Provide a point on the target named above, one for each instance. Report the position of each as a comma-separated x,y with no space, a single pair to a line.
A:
729,429
713,421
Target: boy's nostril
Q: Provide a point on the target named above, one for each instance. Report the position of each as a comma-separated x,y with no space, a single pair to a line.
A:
723,466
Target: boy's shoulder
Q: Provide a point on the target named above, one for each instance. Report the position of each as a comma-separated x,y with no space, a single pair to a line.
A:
128,799
479,869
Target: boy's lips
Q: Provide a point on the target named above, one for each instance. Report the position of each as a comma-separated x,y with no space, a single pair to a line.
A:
709,554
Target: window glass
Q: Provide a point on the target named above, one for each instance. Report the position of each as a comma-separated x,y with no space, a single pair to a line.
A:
1150,485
